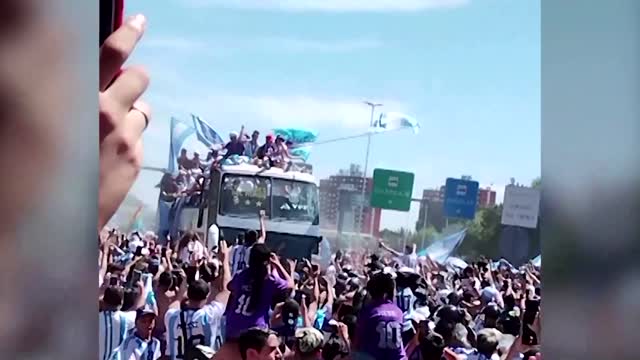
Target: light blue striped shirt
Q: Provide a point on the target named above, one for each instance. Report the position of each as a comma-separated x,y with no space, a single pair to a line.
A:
113,327
135,348
204,327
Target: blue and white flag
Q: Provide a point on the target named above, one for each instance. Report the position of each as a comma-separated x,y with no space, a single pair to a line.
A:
296,135
205,132
456,263
537,261
180,132
394,121
302,140
301,152
442,249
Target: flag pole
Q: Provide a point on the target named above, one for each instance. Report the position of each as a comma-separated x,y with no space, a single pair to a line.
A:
366,168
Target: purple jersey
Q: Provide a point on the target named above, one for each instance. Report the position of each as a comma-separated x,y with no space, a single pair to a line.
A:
379,332
238,316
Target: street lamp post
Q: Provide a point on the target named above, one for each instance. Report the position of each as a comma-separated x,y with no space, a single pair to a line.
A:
366,164
424,221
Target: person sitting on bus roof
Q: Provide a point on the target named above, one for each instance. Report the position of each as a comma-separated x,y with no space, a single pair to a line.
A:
282,157
183,160
210,161
233,147
251,147
264,152
168,188
194,181
195,161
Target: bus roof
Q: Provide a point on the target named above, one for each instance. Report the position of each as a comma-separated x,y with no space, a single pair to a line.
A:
278,173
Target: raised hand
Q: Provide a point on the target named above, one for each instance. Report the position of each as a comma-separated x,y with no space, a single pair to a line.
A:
273,259
223,251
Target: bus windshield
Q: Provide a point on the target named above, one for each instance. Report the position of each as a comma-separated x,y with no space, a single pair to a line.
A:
294,200
244,196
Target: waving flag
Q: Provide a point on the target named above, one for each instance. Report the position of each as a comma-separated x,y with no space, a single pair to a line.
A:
395,121
205,133
301,139
136,223
301,152
442,249
180,131
456,263
297,136
537,261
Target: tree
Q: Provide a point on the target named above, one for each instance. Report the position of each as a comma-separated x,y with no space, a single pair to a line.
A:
483,233
536,183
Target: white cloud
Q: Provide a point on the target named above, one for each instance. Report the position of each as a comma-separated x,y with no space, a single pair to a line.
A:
316,112
172,43
332,5
300,46
232,46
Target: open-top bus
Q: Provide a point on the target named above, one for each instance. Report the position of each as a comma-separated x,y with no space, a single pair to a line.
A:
235,195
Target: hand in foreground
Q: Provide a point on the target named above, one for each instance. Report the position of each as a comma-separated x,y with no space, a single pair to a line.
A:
122,117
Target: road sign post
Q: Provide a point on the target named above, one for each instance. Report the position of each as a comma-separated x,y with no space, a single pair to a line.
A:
392,190
460,198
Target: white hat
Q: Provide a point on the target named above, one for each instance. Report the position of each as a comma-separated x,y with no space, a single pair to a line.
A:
406,269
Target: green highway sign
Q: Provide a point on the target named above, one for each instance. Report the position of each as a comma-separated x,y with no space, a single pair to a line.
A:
392,190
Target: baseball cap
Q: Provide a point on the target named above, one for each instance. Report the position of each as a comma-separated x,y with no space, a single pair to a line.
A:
309,340
145,311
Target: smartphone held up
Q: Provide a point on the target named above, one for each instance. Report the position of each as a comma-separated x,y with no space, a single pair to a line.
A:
111,17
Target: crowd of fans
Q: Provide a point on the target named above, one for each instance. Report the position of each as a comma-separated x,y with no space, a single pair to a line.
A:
239,300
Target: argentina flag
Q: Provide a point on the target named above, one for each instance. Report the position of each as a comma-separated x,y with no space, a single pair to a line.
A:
180,132
205,133
442,249
389,121
537,261
302,140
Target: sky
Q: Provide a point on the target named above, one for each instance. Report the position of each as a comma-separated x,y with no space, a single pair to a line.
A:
468,70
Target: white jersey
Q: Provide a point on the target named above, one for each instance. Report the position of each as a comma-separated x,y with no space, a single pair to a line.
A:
113,327
405,299
134,348
204,327
239,258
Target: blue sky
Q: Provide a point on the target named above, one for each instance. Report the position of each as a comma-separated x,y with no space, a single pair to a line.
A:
468,70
